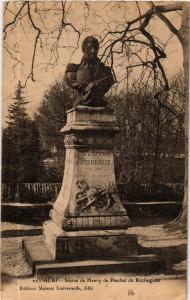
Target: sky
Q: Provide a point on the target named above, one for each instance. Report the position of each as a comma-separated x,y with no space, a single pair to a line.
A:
93,19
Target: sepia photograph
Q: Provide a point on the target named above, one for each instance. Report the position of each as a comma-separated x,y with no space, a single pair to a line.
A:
94,150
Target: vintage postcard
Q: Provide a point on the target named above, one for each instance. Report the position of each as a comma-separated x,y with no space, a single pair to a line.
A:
94,175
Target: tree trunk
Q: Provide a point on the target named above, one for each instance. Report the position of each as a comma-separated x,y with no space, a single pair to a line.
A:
180,223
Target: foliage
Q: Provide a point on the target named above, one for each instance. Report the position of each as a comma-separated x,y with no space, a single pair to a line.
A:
21,154
154,192
150,134
51,117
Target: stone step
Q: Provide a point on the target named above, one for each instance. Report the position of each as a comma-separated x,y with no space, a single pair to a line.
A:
35,251
141,264
41,262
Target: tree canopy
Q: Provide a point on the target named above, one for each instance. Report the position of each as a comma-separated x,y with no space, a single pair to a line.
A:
50,118
21,154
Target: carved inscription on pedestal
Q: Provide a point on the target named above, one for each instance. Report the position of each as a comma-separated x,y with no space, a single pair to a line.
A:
98,159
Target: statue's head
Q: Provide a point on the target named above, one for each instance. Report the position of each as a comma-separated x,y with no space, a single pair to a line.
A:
90,47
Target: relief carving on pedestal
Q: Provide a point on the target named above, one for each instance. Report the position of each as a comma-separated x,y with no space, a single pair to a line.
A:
94,199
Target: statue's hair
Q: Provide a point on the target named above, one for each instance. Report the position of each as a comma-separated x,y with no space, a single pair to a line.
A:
91,39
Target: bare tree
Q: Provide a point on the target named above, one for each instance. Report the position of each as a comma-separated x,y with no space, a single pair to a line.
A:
46,35
148,131
130,34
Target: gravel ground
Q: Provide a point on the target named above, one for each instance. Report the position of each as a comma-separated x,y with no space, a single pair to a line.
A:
157,236
12,261
13,264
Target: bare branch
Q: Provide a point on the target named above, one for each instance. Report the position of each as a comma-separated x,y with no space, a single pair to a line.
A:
167,22
13,21
36,41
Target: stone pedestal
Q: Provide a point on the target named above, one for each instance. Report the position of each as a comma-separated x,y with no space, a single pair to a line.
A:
89,198
88,203
88,221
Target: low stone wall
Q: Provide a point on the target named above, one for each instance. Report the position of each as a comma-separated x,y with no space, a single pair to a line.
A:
152,210
25,213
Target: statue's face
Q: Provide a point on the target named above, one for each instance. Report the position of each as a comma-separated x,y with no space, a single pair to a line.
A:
91,50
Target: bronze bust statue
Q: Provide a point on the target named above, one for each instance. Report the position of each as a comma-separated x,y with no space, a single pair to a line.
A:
91,78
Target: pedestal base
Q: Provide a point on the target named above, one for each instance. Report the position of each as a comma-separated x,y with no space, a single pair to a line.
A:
42,263
88,244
